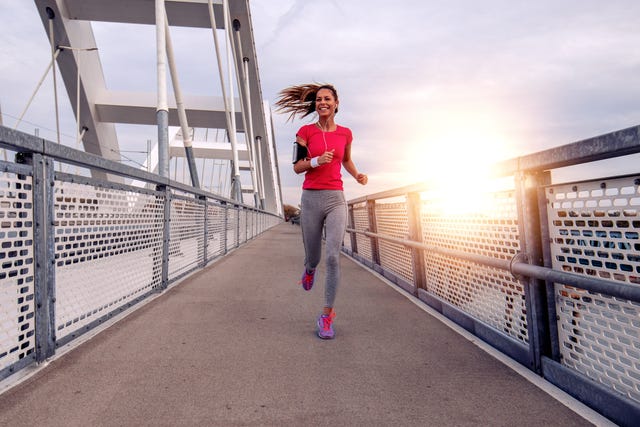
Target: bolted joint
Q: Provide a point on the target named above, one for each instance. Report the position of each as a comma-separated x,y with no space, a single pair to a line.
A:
24,157
21,158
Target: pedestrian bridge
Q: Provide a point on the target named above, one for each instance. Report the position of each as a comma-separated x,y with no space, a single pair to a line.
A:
127,297
234,344
165,304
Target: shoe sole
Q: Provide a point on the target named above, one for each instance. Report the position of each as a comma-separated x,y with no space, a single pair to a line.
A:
326,338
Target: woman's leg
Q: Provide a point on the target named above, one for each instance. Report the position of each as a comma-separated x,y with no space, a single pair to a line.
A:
335,226
312,221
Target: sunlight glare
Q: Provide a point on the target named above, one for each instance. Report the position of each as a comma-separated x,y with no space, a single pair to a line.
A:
454,157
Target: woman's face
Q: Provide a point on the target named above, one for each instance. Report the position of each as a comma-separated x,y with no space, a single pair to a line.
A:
326,103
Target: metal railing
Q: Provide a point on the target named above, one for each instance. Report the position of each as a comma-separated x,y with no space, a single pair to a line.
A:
77,250
547,273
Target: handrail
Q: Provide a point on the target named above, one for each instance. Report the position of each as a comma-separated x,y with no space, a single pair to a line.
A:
609,287
20,141
614,144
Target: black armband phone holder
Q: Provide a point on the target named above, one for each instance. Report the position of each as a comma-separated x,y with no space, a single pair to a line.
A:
299,152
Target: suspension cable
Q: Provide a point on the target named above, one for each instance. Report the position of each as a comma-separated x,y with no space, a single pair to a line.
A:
54,55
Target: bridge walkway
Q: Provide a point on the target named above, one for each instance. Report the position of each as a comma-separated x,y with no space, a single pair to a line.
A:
234,344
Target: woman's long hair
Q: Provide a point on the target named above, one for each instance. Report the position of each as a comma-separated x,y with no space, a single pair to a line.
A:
300,100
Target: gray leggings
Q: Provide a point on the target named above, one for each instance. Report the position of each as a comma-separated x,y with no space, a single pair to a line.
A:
324,208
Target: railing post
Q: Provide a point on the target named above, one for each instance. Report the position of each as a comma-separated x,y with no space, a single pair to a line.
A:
549,286
371,215
530,242
238,209
44,253
415,234
166,236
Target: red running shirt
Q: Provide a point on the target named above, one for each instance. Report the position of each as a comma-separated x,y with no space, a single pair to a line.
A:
327,176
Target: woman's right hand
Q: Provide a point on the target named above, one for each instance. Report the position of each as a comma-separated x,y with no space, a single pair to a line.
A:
326,157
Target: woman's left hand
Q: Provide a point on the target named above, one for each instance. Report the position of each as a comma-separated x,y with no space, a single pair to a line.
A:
362,178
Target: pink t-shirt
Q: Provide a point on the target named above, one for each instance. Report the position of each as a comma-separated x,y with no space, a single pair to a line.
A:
327,176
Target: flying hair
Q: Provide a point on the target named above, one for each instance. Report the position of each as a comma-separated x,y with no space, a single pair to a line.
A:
300,100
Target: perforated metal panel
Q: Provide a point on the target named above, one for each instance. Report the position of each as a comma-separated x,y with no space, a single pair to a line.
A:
491,295
392,220
346,241
243,226
272,221
259,223
254,224
216,233
251,224
17,323
594,230
186,246
108,245
262,223
361,223
232,227
255,218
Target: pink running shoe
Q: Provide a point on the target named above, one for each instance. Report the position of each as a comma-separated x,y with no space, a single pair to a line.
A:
307,279
325,328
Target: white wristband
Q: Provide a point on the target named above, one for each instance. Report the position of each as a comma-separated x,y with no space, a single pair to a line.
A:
314,162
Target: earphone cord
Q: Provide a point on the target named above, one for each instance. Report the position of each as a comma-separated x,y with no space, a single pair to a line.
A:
323,137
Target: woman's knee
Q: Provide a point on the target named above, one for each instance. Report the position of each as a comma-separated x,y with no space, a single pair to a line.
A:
332,260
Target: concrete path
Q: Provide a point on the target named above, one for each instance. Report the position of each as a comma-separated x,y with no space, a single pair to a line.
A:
235,345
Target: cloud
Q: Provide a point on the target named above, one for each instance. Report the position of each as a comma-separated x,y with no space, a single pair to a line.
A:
285,20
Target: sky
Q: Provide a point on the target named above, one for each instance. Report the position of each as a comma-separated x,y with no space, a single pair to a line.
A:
430,89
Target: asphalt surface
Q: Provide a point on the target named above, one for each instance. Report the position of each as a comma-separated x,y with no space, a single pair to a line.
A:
235,345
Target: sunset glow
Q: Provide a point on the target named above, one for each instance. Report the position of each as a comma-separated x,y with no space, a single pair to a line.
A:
457,148
455,158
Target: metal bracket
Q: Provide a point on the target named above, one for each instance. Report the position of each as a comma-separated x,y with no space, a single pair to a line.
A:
518,257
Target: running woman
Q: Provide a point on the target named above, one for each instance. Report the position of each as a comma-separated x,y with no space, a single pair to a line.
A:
326,148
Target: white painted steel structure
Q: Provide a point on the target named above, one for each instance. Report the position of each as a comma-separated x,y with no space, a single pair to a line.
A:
100,109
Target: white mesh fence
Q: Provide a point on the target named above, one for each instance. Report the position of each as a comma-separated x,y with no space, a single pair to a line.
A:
392,220
108,250
594,230
361,223
102,244
186,235
216,233
489,294
17,311
243,226
232,228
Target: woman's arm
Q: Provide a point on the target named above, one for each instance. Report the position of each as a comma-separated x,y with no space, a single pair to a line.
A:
304,165
351,167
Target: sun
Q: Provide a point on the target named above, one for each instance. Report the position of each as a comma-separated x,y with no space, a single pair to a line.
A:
457,147
455,154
